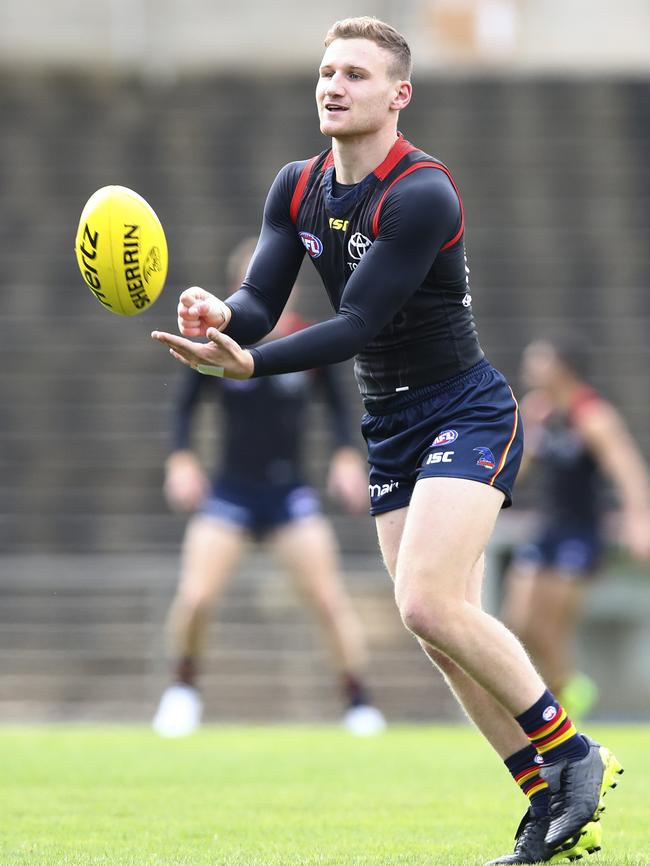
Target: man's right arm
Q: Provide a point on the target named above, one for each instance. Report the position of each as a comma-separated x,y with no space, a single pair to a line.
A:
273,269
185,483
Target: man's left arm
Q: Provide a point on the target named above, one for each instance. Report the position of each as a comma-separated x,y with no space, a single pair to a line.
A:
347,477
420,215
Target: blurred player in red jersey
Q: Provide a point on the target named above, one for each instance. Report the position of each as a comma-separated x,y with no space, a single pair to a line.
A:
260,493
578,440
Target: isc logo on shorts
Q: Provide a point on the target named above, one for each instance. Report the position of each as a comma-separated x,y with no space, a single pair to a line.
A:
439,457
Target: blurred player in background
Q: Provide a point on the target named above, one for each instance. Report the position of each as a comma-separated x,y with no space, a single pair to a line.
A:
384,225
578,440
259,492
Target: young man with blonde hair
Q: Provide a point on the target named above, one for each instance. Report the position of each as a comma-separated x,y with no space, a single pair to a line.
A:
383,223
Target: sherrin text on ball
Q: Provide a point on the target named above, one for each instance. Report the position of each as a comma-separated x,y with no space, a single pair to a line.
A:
121,250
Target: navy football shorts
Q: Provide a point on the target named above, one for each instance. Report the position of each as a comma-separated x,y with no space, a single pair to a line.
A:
260,508
576,550
465,427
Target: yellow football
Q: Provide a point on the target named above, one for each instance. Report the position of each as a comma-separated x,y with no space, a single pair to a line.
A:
121,250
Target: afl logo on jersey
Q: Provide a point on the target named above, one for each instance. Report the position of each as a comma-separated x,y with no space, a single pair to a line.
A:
445,438
313,245
358,246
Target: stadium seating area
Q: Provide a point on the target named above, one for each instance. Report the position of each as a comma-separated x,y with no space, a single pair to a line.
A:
556,185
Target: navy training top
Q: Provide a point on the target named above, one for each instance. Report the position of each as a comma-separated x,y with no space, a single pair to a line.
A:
390,251
571,480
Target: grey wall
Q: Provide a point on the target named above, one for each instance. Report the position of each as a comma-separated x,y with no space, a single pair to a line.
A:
556,185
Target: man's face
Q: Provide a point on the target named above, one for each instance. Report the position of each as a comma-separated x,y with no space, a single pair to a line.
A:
356,93
540,365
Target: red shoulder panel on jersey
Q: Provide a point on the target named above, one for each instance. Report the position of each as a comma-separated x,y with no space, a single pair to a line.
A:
329,160
415,167
398,151
294,323
298,192
585,398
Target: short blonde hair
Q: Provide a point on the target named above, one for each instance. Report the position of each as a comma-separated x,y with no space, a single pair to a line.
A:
382,34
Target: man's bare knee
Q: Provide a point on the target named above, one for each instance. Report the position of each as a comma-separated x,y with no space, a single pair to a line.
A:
433,621
195,598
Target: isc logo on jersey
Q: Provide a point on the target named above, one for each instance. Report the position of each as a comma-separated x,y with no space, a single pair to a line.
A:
339,225
313,245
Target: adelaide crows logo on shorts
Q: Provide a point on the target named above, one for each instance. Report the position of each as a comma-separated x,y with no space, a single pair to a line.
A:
485,458
313,245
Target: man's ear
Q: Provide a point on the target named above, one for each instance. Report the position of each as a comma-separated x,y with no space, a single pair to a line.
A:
403,95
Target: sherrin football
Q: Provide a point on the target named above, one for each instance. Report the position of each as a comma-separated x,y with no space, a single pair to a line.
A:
121,250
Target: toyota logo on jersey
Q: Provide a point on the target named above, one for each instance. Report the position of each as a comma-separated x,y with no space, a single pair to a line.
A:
313,245
358,245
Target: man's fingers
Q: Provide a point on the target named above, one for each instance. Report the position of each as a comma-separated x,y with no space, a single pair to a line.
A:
199,309
221,340
193,311
174,342
187,351
189,331
179,357
190,296
183,312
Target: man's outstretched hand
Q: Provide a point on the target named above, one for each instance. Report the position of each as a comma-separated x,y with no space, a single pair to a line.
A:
199,310
222,354
202,314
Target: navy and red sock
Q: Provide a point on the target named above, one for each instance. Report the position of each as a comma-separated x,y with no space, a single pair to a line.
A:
551,731
524,767
354,691
185,671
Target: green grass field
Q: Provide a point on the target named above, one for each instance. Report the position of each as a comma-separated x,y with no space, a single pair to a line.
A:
432,796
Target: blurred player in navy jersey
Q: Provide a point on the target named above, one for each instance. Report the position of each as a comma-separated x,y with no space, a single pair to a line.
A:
260,492
578,440
383,223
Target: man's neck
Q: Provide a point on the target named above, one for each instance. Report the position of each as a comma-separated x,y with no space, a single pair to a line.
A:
565,392
355,158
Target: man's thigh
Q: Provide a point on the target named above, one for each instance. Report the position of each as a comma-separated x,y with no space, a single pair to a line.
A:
445,532
390,525
212,549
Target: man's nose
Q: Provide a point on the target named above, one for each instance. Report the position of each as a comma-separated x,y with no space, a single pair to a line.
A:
334,84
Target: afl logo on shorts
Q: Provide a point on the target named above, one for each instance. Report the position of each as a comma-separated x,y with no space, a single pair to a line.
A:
485,458
313,245
445,438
